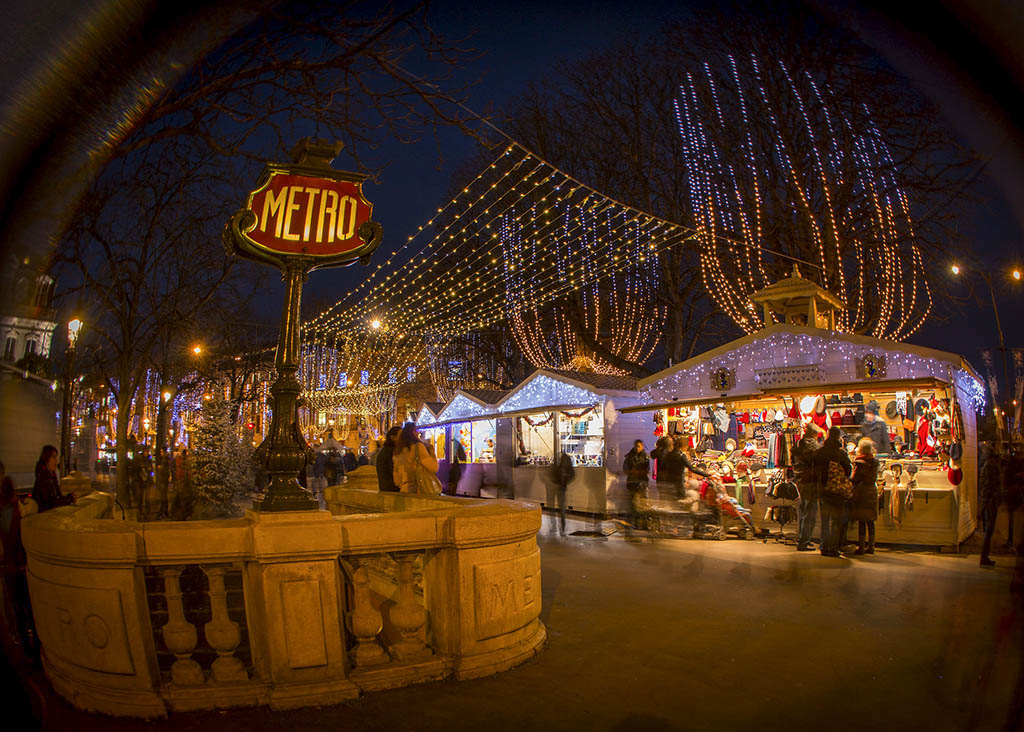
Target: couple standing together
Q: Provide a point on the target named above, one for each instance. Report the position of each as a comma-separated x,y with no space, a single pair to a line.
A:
406,464
817,476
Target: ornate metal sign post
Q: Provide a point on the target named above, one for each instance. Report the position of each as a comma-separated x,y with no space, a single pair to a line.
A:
301,217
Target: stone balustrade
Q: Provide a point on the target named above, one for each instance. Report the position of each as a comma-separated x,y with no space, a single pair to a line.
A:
289,609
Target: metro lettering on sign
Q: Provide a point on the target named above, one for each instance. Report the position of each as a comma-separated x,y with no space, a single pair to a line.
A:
303,215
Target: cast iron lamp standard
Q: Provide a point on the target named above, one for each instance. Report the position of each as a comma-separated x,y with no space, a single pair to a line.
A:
74,327
1008,410
301,217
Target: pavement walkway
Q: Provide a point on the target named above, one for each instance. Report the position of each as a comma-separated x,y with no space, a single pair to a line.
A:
654,636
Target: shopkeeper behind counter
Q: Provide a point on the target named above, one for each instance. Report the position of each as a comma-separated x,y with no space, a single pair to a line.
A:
875,429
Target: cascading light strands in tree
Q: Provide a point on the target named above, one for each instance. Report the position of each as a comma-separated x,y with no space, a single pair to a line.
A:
617,310
776,161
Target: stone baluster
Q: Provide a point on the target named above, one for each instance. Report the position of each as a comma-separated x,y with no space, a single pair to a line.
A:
364,620
222,632
408,616
179,635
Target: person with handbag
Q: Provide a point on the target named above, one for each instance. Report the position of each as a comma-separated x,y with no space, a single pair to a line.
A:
415,467
833,469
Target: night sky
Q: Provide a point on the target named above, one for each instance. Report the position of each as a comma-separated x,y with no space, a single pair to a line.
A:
522,41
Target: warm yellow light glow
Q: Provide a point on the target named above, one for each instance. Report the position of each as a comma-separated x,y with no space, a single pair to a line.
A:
375,324
74,326
197,349
955,269
1016,274
167,396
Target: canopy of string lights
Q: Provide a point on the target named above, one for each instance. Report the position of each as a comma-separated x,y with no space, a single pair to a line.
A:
518,239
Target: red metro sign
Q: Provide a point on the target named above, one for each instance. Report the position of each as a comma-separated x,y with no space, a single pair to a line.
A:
298,214
306,211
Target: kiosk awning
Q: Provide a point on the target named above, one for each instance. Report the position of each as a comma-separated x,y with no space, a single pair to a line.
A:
928,382
694,402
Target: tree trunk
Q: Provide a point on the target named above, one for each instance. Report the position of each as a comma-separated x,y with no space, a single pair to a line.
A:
124,402
161,457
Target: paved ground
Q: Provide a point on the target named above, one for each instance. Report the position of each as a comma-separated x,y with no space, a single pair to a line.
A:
704,635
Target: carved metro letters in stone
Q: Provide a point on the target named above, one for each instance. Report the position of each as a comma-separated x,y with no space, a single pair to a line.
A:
506,594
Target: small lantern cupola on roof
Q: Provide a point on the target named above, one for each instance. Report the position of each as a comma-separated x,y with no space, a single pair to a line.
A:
798,301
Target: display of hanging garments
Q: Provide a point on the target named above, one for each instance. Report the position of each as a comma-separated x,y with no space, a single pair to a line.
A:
924,445
892,482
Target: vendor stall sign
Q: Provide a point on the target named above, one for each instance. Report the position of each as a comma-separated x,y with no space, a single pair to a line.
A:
870,367
789,375
723,379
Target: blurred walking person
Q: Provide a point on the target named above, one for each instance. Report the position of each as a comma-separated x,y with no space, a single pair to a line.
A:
563,474
17,605
990,495
637,467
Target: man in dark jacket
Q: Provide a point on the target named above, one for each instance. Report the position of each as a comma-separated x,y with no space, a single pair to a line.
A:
564,472
672,466
834,509
875,429
385,465
990,494
807,482
637,467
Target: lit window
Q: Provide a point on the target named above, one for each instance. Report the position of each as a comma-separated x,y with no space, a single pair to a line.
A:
30,347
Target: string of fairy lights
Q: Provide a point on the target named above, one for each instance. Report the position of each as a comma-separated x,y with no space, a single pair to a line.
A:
863,239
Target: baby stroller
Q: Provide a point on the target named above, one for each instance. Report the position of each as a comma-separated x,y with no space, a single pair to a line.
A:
706,512
728,515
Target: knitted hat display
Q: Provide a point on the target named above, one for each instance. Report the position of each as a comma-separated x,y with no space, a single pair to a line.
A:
858,416
837,417
955,475
848,418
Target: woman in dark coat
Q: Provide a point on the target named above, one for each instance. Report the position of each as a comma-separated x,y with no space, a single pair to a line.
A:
46,490
864,501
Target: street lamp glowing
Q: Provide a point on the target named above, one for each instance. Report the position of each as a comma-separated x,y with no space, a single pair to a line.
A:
375,324
955,269
167,396
1016,274
74,326
197,350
